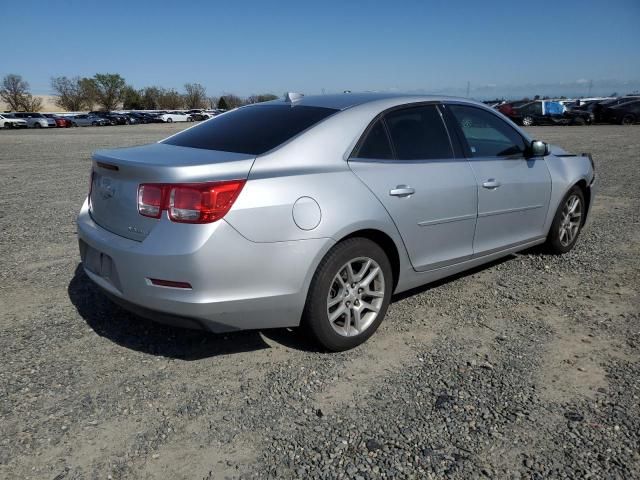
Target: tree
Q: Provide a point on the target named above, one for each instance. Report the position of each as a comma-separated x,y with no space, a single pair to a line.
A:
29,103
151,98
195,96
132,99
14,91
222,104
230,101
170,99
72,94
107,90
213,102
263,97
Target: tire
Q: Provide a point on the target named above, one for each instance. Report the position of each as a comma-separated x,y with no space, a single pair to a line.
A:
37,125
74,124
627,120
94,123
579,121
334,289
169,120
8,125
527,121
557,241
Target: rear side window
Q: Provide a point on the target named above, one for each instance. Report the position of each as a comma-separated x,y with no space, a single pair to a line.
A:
253,130
376,144
487,134
418,133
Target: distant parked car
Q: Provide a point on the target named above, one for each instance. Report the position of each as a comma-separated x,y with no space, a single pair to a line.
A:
140,117
199,115
625,113
543,112
86,120
176,117
9,121
599,108
35,120
62,122
113,118
507,108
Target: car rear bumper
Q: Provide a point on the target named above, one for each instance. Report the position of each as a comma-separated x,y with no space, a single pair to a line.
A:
236,284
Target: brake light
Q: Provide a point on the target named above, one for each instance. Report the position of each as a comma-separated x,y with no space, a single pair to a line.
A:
189,202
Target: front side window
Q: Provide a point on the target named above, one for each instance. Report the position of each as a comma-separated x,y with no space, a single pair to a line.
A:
375,144
253,130
487,135
418,133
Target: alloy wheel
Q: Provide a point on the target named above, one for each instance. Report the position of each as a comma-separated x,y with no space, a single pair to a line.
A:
570,221
355,296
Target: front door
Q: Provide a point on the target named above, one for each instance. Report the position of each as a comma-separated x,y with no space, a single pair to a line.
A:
513,189
406,159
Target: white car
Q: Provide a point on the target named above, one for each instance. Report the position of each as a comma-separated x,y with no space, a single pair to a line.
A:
7,121
176,117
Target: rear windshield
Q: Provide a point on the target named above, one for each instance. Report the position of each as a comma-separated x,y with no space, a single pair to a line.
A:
253,130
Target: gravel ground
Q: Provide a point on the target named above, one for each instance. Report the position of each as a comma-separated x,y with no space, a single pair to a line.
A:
525,368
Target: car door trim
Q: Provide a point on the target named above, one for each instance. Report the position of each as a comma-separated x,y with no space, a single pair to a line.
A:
426,223
509,210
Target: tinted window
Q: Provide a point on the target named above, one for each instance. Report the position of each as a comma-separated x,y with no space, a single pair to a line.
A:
487,135
376,143
253,130
418,133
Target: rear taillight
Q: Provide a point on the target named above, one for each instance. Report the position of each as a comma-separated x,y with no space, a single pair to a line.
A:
150,201
188,202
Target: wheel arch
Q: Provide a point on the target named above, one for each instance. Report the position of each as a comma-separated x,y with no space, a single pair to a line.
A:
586,192
386,243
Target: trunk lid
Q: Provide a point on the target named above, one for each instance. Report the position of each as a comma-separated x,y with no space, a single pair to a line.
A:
117,173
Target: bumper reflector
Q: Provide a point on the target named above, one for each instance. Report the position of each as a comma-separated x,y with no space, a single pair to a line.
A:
169,283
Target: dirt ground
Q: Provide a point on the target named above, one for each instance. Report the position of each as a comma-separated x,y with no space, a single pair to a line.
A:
525,368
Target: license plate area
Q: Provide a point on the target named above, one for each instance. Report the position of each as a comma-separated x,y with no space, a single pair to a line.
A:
99,264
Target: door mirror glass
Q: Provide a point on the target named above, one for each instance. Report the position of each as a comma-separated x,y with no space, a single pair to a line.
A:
539,148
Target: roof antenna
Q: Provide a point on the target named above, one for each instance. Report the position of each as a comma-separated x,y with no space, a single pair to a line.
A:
293,97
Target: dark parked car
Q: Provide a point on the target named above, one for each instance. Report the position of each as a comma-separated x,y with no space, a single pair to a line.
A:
114,118
62,122
599,108
542,112
625,113
141,117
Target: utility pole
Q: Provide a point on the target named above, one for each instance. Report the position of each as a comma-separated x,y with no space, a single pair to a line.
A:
590,85
468,87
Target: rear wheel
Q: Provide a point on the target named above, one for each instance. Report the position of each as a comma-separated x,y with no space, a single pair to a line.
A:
349,294
579,121
94,123
628,120
74,124
169,120
527,121
37,125
567,222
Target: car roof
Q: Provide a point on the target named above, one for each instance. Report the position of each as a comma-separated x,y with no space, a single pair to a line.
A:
342,101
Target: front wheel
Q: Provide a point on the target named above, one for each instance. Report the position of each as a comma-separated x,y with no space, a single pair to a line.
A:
627,120
567,222
37,125
349,294
169,120
527,121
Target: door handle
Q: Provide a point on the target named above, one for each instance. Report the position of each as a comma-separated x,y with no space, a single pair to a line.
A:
491,184
401,191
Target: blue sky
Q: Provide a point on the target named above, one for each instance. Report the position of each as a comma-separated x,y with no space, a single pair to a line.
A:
542,47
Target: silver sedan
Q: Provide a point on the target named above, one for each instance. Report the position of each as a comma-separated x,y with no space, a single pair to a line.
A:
313,211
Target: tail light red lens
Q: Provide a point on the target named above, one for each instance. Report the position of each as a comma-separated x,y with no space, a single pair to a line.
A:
189,202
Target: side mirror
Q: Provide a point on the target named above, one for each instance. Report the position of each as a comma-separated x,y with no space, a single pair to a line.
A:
539,148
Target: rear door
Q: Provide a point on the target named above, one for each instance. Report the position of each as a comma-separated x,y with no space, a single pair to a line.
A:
407,160
513,190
